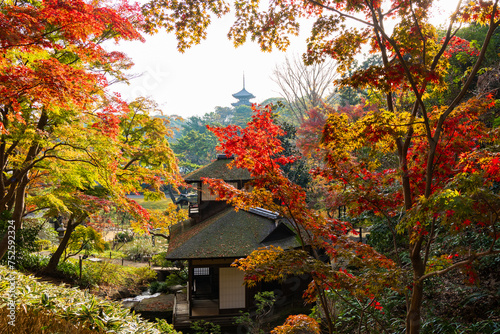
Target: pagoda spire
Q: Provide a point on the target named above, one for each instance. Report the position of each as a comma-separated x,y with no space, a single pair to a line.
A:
243,96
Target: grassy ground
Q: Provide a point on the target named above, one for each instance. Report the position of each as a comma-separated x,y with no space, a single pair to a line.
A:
153,205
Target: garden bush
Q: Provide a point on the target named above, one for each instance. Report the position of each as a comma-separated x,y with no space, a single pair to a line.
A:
205,327
436,325
98,273
47,232
160,260
32,261
42,244
159,287
177,278
140,248
24,238
124,236
93,273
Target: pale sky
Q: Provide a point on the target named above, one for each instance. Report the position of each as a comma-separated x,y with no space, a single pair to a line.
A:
206,75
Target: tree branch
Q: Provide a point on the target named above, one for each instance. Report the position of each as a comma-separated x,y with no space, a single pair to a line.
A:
319,4
471,259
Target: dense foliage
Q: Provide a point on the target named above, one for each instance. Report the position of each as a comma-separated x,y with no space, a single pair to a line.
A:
69,148
75,311
422,161
195,145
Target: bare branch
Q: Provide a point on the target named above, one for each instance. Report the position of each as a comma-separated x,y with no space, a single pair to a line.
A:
304,87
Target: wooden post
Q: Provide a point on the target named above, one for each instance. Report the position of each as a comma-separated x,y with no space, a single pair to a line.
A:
80,265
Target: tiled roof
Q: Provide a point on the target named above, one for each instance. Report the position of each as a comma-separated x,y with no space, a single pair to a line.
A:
219,169
229,233
243,94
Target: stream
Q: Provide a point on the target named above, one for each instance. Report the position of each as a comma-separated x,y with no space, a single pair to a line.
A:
151,306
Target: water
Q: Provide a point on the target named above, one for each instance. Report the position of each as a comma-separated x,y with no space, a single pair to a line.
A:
144,295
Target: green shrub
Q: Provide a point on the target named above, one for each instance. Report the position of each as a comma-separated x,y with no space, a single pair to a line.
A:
165,327
153,287
47,232
159,287
95,273
160,260
84,238
24,238
436,325
124,236
139,249
205,327
144,274
32,261
496,122
42,244
98,273
177,278
52,249
69,269
254,322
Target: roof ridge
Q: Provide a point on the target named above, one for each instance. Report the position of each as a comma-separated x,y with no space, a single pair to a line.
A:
264,212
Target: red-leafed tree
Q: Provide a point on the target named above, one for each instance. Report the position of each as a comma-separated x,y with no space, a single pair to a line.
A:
309,132
257,149
56,115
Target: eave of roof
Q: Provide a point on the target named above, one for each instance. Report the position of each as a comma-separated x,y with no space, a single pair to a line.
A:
243,94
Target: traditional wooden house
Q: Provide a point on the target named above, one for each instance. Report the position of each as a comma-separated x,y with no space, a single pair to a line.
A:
213,237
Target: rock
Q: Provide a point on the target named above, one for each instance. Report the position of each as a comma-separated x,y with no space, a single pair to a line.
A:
129,304
176,288
161,303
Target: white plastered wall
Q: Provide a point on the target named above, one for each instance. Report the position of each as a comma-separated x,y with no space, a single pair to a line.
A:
231,288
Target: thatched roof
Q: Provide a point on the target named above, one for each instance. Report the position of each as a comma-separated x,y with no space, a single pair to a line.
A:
228,234
219,169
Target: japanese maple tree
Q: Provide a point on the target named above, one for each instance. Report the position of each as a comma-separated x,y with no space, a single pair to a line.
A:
102,161
60,128
257,148
51,66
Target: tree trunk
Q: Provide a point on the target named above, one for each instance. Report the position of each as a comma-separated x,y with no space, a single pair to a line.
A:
417,294
415,304
172,196
17,214
413,315
54,260
20,191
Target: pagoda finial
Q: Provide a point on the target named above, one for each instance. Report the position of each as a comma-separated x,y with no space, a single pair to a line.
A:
243,79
